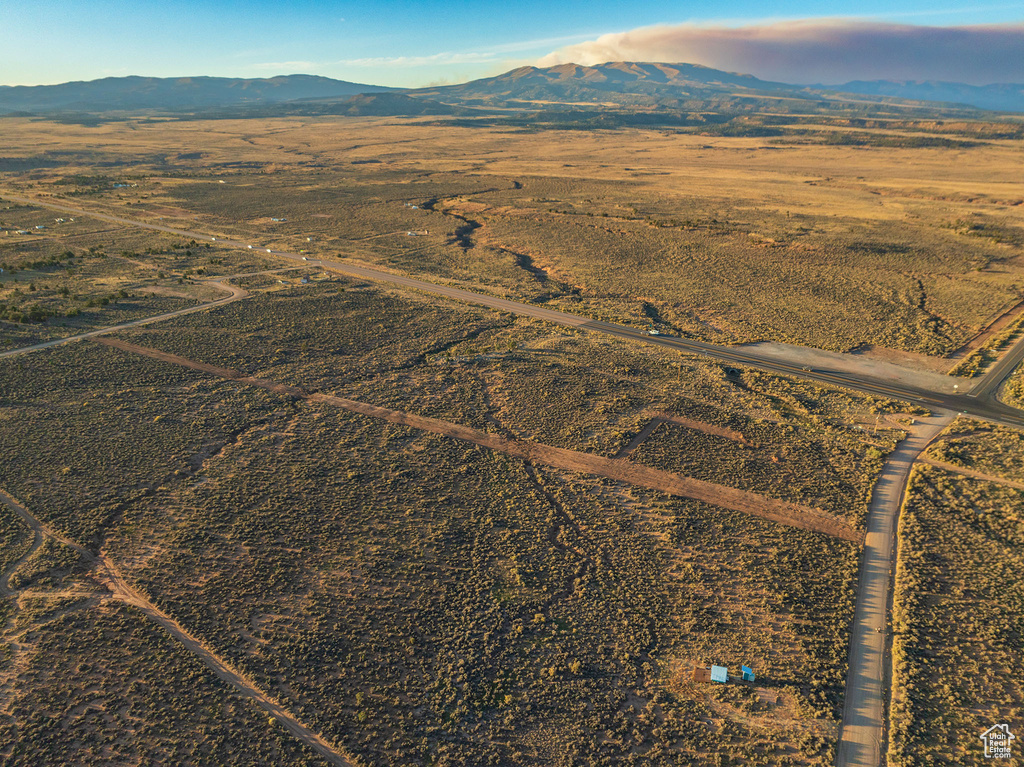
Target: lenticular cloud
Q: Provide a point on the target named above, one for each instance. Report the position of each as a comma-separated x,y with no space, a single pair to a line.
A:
821,51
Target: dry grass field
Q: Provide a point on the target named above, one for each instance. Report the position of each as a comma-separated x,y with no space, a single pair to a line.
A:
1013,390
728,239
415,598
411,597
97,684
957,609
982,447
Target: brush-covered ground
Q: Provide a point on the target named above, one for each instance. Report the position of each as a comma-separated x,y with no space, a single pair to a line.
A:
79,274
957,611
417,599
723,238
411,597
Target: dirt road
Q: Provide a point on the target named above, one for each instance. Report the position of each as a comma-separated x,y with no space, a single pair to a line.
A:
659,418
235,293
843,370
782,512
952,467
108,574
864,708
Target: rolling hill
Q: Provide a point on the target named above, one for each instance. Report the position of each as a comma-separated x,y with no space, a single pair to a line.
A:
136,93
1000,97
618,84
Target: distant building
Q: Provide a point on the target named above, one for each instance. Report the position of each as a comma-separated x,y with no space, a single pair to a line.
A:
719,674
748,673
701,674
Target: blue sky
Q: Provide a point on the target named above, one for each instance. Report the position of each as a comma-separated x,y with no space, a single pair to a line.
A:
392,42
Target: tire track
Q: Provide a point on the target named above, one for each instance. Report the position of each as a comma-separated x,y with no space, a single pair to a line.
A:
108,574
5,579
783,512
973,473
236,294
658,418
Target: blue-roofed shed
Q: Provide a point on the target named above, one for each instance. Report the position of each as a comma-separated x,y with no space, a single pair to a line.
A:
719,674
748,673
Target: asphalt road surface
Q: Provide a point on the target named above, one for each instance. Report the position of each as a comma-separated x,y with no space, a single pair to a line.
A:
865,701
980,402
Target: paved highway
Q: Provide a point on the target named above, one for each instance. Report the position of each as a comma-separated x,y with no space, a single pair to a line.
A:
979,402
864,708
989,384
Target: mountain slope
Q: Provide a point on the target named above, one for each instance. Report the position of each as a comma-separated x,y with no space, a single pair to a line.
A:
1003,97
695,87
629,84
567,81
128,93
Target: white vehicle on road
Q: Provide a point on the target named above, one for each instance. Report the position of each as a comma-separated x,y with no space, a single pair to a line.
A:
653,332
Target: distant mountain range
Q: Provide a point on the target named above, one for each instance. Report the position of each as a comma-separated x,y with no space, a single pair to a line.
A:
1000,97
137,93
658,84
622,84
568,81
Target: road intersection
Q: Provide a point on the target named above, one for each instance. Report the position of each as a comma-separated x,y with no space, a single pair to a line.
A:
979,400
862,736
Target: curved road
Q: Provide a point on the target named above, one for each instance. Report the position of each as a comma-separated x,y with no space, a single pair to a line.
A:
864,704
980,402
236,294
863,727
